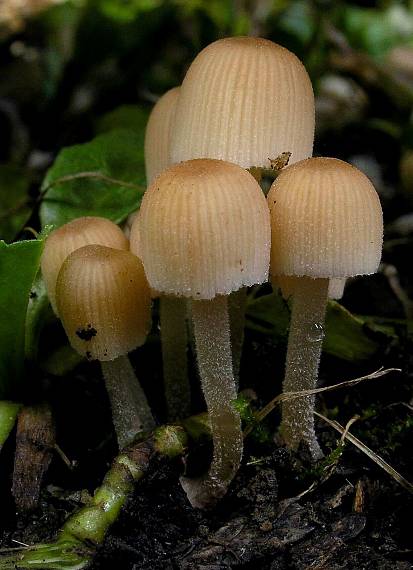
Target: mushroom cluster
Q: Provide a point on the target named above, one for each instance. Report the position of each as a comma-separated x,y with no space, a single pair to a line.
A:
204,233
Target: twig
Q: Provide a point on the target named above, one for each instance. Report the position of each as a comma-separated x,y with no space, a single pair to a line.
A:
286,396
371,454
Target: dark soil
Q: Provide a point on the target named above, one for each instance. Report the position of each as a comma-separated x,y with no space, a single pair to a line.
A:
280,512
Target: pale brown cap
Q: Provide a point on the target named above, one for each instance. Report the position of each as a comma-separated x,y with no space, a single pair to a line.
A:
286,284
326,221
204,230
104,303
244,100
73,235
157,135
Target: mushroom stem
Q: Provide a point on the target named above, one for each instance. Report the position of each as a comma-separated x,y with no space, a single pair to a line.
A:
173,312
237,303
213,345
303,358
131,413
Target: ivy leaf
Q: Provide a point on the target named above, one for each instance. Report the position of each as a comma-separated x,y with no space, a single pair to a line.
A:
104,177
14,199
348,336
19,263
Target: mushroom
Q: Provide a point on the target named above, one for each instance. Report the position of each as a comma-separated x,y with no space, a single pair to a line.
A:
103,300
205,232
245,100
73,235
327,224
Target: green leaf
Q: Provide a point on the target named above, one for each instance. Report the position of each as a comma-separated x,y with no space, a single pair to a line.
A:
15,209
348,337
19,263
8,417
39,312
131,117
104,177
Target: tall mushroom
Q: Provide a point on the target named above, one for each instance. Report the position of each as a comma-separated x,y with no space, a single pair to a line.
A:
245,100
205,232
104,303
327,224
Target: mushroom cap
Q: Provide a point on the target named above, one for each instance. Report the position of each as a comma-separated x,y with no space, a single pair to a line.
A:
244,100
204,230
286,284
73,235
326,221
157,134
104,302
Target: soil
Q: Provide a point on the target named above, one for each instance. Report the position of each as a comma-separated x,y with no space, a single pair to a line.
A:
280,512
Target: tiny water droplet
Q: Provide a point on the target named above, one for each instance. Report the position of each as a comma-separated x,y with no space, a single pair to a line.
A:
316,334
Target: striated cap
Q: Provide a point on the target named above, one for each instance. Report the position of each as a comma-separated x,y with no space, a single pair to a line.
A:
204,230
326,221
103,300
157,135
77,233
286,284
244,100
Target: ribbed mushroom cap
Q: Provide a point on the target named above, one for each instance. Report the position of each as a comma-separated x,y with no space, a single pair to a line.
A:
244,100
204,230
157,135
103,300
326,221
73,235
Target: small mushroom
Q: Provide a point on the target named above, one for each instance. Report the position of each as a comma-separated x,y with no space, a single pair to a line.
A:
327,224
73,235
103,300
205,232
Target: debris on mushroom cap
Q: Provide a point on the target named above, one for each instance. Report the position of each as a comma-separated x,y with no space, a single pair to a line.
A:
103,300
73,235
244,100
157,134
326,221
287,284
205,230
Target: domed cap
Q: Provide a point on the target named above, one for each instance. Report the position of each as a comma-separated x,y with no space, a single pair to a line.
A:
326,221
244,100
204,230
157,135
73,235
103,300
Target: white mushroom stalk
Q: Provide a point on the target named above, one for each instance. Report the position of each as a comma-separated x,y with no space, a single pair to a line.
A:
205,233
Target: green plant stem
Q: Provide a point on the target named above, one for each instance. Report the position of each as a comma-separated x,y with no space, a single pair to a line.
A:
76,543
213,346
237,304
131,413
303,358
174,337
